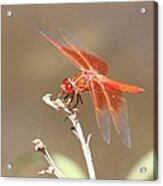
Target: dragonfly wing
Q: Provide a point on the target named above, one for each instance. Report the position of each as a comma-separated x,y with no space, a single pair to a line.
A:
119,112
90,58
68,52
103,116
108,83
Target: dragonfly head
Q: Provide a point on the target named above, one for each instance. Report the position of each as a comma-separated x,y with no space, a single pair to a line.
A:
67,86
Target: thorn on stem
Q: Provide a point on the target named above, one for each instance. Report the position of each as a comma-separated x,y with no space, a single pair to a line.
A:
73,128
89,138
49,170
75,132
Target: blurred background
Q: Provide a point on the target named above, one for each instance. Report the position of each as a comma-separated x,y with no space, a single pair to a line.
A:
31,67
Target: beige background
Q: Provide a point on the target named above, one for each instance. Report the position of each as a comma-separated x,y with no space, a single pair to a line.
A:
32,67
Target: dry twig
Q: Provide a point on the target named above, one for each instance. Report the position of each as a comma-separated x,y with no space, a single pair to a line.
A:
52,169
59,105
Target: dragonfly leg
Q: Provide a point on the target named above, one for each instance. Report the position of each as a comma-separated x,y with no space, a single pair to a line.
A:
66,97
71,98
81,102
78,98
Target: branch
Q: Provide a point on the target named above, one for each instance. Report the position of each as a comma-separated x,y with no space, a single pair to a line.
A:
52,169
59,105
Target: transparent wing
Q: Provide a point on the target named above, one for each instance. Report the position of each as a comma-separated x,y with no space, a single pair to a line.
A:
103,116
90,58
68,52
119,112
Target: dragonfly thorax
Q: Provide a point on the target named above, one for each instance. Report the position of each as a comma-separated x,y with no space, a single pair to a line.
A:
90,75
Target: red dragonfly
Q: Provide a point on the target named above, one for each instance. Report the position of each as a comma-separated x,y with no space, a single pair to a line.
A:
107,94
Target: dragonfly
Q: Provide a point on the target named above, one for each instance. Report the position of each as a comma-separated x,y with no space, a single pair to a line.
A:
107,94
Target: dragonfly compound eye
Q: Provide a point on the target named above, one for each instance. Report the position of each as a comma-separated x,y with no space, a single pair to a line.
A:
67,87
